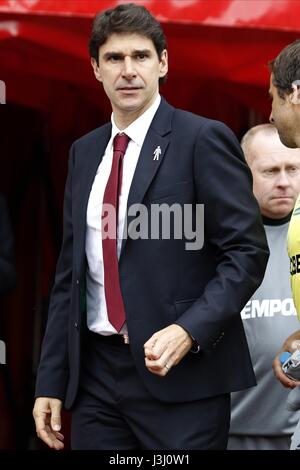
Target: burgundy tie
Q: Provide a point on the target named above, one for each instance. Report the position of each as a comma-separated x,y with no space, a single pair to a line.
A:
113,296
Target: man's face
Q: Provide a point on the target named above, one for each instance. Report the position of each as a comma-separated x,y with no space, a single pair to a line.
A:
284,117
276,175
129,70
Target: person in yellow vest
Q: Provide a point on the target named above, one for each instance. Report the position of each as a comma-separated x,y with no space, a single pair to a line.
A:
285,115
294,254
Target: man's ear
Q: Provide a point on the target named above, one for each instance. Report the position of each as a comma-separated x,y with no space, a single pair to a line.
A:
163,63
96,69
295,95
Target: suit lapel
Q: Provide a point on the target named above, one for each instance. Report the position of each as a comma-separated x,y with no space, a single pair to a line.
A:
147,166
91,160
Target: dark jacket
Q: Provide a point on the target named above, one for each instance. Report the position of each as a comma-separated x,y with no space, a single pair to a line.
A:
161,281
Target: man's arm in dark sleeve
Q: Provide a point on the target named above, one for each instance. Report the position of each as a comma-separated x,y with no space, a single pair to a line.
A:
234,229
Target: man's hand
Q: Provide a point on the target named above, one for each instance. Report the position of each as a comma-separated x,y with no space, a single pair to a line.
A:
47,417
291,344
166,348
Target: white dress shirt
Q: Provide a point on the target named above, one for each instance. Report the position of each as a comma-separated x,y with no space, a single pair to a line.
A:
97,318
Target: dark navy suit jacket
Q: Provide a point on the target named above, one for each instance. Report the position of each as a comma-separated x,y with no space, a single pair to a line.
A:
162,282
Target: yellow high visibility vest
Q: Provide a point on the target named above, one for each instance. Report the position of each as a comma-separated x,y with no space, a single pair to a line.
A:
293,243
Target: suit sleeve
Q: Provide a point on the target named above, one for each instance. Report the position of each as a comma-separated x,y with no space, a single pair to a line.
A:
233,226
7,264
53,368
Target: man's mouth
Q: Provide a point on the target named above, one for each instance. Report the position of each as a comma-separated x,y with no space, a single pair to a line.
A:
128,88
282,197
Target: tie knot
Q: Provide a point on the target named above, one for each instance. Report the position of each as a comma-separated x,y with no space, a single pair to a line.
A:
120,143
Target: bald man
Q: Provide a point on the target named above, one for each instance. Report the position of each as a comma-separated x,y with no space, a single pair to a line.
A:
259,419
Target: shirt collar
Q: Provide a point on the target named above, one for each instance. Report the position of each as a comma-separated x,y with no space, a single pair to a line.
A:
282,221
138,129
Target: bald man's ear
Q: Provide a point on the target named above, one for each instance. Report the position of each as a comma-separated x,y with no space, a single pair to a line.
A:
295,95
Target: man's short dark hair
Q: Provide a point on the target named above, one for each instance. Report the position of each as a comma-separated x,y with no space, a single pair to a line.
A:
126,18
286,68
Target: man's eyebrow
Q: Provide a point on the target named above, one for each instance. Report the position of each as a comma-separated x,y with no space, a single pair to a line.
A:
109,54
142,51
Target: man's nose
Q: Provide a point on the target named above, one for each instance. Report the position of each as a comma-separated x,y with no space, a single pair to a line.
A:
271,119
128,68
283,180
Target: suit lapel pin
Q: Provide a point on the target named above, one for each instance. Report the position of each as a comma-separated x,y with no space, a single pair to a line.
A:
157,153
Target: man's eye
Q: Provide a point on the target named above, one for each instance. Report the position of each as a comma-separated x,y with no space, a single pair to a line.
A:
115,58
141,56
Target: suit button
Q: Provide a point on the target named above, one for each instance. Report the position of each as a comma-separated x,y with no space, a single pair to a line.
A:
76,325
77,281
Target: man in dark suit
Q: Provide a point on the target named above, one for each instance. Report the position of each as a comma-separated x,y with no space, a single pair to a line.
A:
146,348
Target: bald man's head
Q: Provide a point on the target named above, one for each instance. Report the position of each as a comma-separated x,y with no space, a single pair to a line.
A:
275,169
262,131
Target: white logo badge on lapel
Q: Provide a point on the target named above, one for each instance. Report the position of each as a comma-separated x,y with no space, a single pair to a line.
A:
157,153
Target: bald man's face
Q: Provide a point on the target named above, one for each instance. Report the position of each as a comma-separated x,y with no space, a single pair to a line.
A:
276,174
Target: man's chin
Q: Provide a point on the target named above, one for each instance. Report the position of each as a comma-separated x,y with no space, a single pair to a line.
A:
282,210
131,105
287,142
